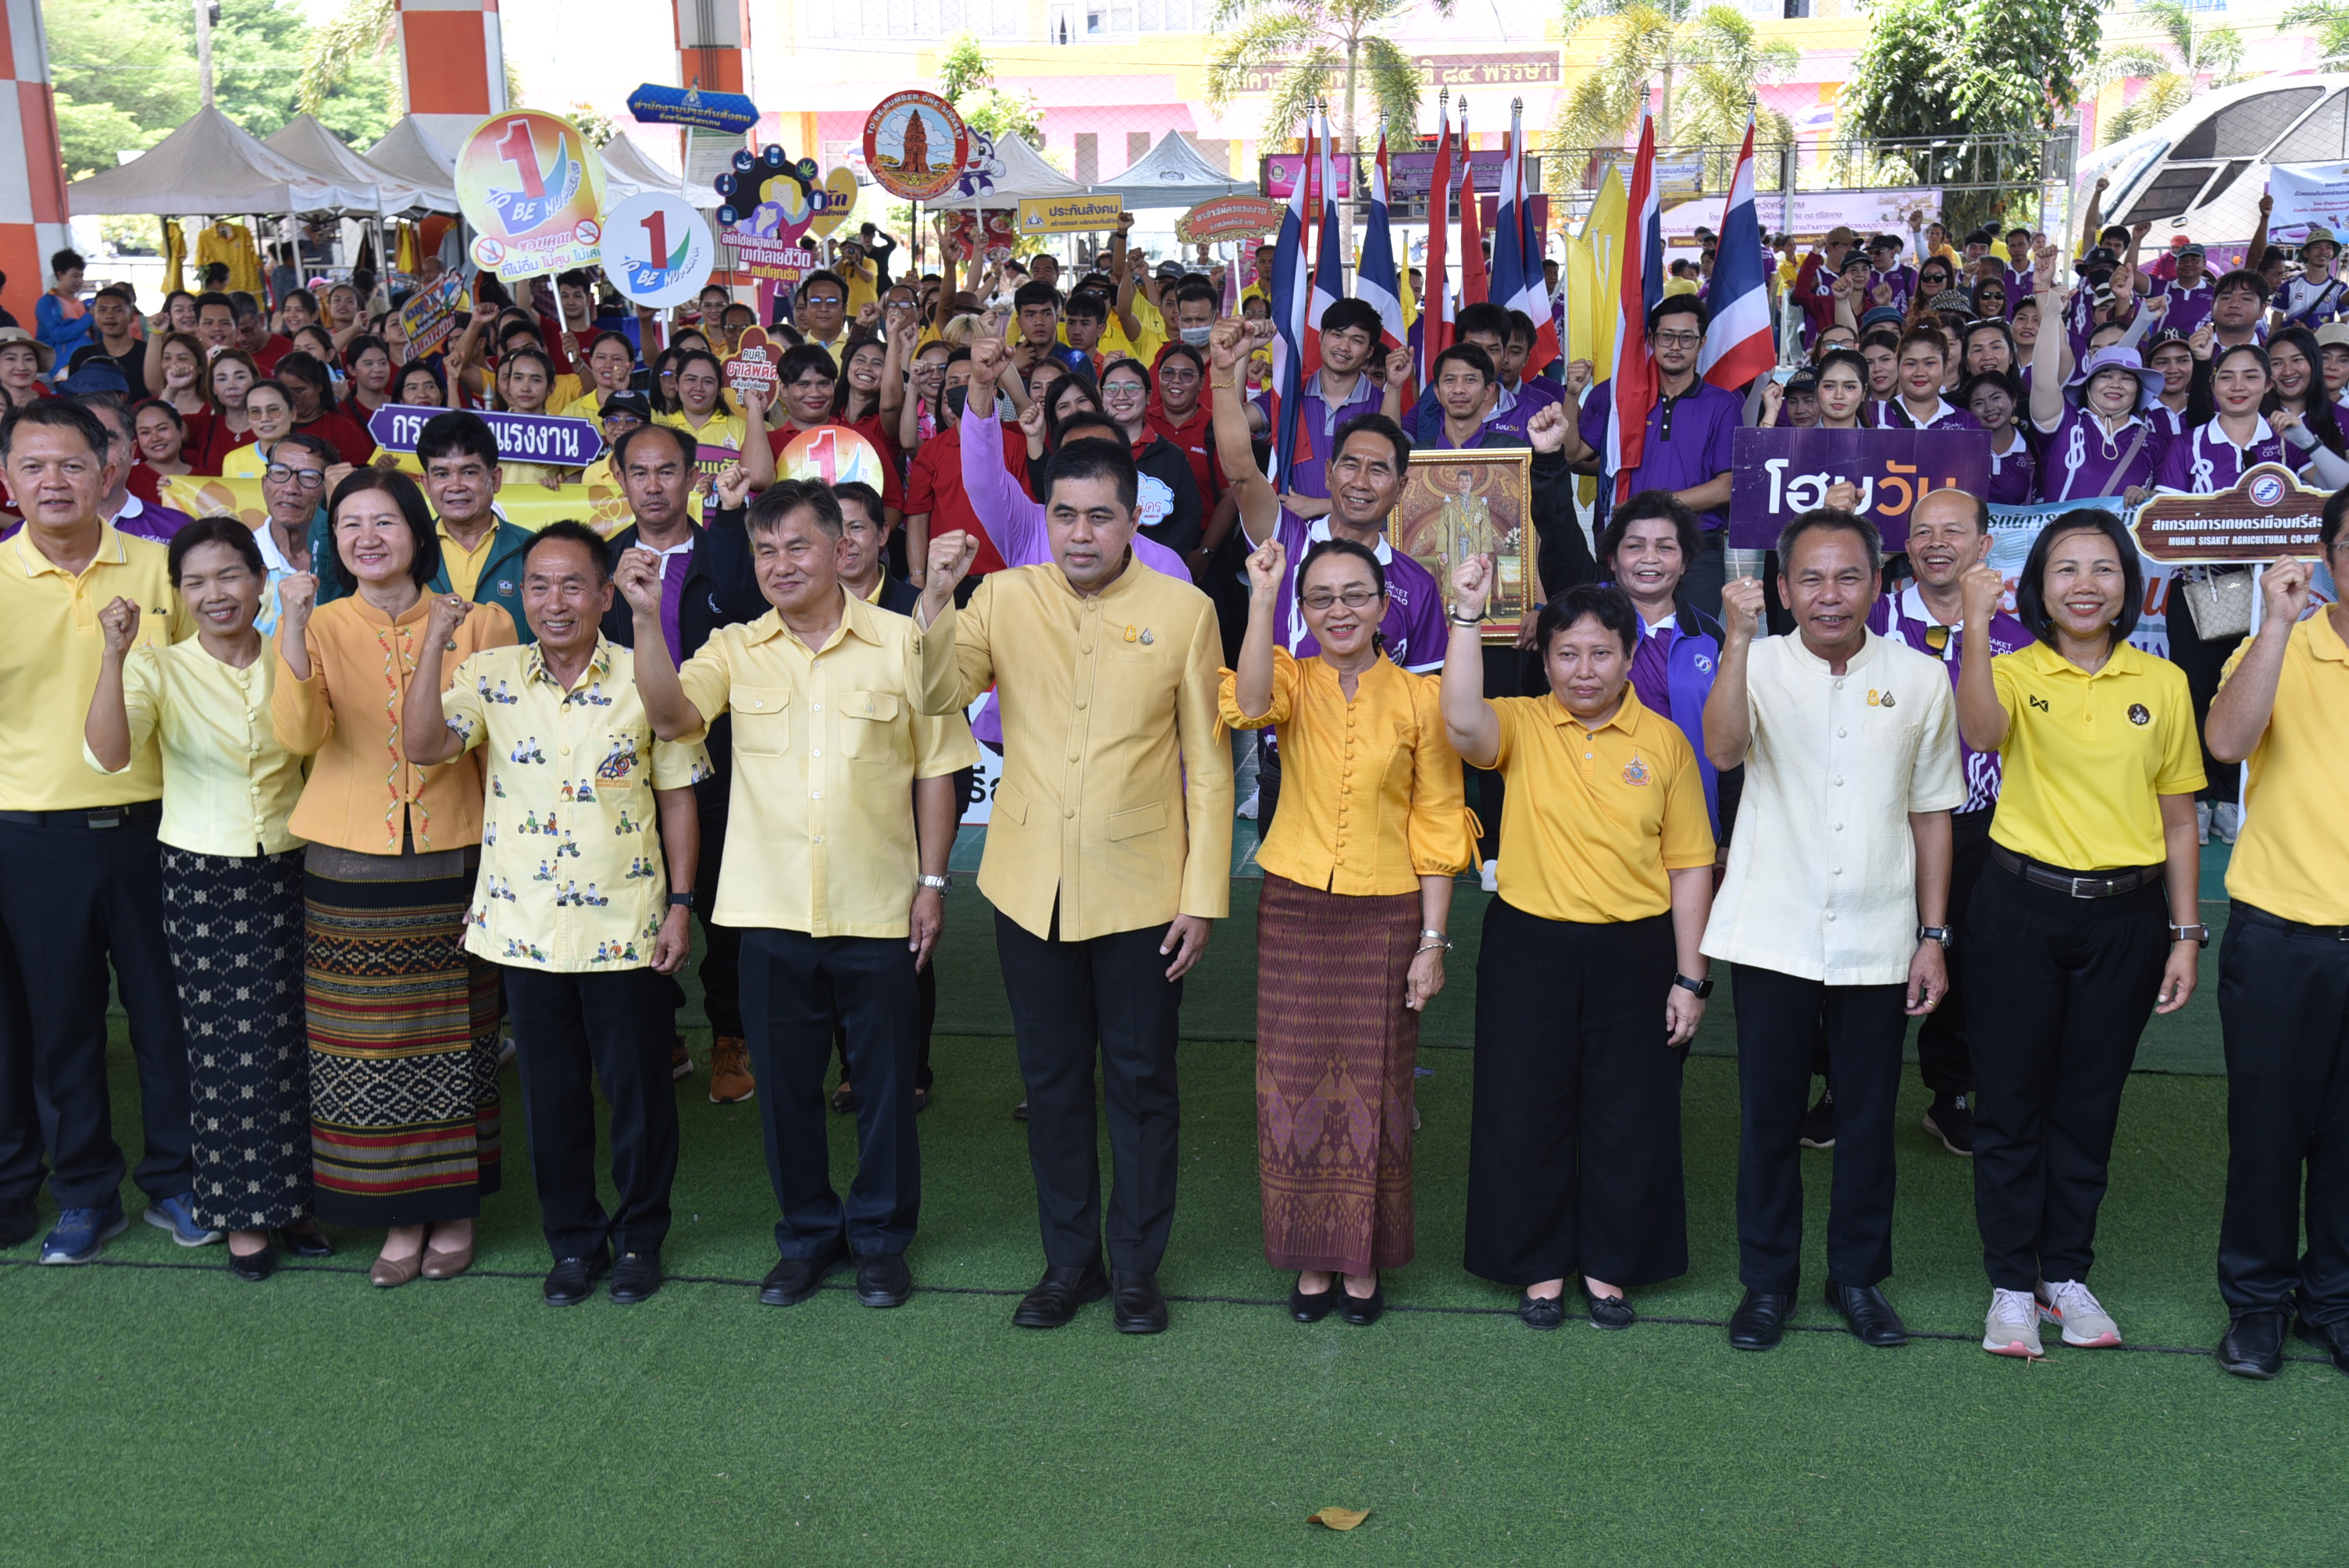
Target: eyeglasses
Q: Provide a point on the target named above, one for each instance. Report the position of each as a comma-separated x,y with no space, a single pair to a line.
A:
1679,339
285,473
1124,389
1353,598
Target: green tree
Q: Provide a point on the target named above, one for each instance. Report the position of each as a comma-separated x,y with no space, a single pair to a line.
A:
2331,23
1707,62
354,57
967,80
121,77
2178,55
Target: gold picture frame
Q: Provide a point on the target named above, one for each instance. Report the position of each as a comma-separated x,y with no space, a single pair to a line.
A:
1472,501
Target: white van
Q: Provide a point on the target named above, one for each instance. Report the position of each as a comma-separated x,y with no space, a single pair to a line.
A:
2202,170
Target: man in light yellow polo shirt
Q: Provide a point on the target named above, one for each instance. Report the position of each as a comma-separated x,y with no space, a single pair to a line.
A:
2283,973
843,802
80,877
1108,857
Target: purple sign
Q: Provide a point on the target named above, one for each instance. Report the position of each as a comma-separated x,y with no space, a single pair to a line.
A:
1776,475
522,438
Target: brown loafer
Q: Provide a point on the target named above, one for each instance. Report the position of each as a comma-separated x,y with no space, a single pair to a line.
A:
448,1264
388,1273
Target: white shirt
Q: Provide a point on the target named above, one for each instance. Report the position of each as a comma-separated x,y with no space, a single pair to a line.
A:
1822,881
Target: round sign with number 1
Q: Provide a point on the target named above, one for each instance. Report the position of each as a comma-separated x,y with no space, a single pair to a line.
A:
657,249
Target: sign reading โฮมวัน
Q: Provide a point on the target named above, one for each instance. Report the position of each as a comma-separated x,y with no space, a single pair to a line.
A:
1776,475
522,438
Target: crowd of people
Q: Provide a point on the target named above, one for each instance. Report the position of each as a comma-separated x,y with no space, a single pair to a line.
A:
355,800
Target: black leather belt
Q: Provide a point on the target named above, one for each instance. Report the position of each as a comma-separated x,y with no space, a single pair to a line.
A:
93,819
2258,916
2104,884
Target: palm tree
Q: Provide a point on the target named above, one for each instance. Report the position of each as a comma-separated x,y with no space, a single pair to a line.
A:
1708,63
2173,55
362,30
2332,25
1322,49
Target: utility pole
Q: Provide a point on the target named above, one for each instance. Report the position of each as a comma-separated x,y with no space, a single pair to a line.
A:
206,13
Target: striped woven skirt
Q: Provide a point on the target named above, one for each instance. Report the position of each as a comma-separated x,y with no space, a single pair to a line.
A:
234,926
1335,1053
404,1115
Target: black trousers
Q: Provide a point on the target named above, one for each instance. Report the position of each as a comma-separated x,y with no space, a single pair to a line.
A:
71,898
570,1031
794,987
1780,1019
2062,988
1574,1146
1508,673
2203,662
1944,1058
721,946
2284,1002
1066,997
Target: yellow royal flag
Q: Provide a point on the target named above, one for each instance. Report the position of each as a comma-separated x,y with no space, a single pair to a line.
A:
1602,231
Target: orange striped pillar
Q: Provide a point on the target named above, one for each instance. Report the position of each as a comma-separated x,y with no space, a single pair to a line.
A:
32,172
453,62
713,45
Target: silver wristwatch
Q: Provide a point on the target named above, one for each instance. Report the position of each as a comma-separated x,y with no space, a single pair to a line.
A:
941,884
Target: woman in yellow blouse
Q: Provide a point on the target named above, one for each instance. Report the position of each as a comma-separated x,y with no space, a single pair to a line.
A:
1357,889
403,1022
232,884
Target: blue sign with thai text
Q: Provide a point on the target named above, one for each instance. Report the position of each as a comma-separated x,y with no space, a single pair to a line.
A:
522,438
658,105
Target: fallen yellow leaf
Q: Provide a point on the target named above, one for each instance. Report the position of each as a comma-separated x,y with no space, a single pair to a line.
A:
1339,1517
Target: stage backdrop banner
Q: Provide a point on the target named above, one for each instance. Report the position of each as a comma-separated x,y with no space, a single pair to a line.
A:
2307,193
1776,475
2014,528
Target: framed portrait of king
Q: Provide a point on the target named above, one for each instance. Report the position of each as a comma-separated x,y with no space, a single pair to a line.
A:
1477,501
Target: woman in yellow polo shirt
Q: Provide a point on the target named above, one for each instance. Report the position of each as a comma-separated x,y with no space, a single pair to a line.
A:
2069,949
1350,929
1589,984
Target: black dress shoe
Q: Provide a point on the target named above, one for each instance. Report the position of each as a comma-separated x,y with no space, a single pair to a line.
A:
18,1221
1058,1294
883,1280
307,1241
1870,1316
844,1100
573,1280
1760,1321
1134,1305
635,1276
1307,1308
1361,1311
254,1267
793,1280
2253,1346
1611,1312
2333,1339
1542,1311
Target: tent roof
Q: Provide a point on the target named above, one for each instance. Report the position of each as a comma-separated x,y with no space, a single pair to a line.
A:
629,171
370,189
409,153
1171,174
1025,175
209,165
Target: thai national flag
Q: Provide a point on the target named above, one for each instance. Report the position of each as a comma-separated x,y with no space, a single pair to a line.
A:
1738,347
1375,279
1292,291
1518,248
1329,262
1639,285
1475,279
1435,304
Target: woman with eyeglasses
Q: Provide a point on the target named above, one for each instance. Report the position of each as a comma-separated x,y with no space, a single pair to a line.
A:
269,415
1358,875
1171,508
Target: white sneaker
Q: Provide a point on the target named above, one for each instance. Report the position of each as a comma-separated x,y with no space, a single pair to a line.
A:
2226,822
2087,1325
1248,808
2201,821
2012,1326
1492,876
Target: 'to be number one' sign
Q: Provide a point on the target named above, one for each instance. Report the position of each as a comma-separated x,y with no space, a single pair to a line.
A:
656,250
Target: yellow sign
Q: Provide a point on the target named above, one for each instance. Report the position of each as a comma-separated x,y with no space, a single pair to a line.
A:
1068,214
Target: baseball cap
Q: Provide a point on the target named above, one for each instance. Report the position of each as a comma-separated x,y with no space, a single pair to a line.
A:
2186,247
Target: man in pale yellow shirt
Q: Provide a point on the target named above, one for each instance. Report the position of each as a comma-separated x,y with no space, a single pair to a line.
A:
1108,857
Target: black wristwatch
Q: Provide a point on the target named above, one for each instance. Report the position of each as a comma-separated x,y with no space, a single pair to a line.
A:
1704,988
1941,934
681,899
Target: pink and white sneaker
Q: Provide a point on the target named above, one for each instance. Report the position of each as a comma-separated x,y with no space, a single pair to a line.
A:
2087,1325
2012,1326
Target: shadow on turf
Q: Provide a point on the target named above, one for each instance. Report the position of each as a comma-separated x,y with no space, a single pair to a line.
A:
844,1287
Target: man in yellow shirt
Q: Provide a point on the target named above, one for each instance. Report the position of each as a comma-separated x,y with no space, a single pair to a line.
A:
835,869
83,881
1108,857
2283,973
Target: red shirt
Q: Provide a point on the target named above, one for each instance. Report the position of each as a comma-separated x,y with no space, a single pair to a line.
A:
267,357
891,489
934,486
338,432
1197,436
209,441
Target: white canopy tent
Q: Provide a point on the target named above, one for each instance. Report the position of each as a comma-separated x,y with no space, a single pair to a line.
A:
209,166
1026,176
1171,174
409,153
304,141
629,171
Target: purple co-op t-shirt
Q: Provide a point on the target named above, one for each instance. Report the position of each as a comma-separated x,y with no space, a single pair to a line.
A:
1904,615
1414,624
1689,439
2203,461
2079,459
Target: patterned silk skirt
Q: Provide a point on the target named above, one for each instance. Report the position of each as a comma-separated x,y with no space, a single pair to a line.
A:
234,924
403,1023
1334,1058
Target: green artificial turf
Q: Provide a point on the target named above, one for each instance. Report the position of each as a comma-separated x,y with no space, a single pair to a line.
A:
156,1411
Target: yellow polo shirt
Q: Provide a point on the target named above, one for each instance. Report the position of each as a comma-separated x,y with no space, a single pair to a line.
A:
827,744
1594,819
2086,757
464,566
50,656
2292,858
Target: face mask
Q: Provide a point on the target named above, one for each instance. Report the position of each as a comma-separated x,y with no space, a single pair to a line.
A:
1197,336
954,401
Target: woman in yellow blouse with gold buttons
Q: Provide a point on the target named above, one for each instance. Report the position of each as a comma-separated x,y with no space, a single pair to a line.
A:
1357,872
232,884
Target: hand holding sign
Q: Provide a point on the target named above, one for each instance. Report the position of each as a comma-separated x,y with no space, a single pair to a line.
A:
753,367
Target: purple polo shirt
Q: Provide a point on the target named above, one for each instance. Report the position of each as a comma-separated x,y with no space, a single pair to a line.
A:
2189,308
1901,280
1904,615
1415,623
2204,461
2014,474
2080,459
1322,420
1947,416
1688,443
1651,665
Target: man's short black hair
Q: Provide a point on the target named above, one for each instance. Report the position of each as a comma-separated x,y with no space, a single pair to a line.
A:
1032,294
1831,520
1605,602
245,306
822,276
62,261
1083,305
457,433
1091,460
578,533
1522,329
575,278
1469,354
785,497
1198,289
55,414
2031,587
210,298
797,362
1679,304
1481,318
1351,315
317,447
1379,425
863,495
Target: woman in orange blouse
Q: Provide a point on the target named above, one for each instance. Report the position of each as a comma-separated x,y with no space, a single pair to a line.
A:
403,1022
1358,871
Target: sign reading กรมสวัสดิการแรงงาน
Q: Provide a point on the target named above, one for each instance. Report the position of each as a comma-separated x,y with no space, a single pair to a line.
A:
522,438
1776,475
